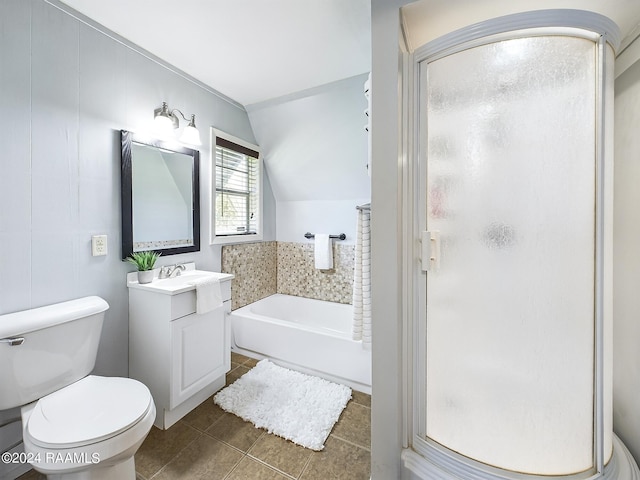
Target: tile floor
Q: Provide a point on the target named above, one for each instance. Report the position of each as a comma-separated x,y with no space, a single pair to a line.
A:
211,444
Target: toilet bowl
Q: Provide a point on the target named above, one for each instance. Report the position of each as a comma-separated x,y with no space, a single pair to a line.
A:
75,426
89,429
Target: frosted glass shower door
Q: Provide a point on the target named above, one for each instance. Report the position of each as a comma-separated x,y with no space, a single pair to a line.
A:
508,150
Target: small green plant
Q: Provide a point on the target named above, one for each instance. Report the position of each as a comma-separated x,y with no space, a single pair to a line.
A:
144,260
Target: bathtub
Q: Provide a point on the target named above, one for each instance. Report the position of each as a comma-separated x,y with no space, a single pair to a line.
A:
311,336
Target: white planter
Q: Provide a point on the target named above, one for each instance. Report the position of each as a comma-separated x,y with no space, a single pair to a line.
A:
145,276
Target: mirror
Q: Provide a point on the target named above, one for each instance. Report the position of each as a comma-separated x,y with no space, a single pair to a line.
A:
160,196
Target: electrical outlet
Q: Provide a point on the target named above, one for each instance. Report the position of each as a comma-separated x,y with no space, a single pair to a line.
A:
98,245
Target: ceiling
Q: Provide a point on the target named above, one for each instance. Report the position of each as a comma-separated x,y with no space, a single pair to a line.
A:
257,50
249,50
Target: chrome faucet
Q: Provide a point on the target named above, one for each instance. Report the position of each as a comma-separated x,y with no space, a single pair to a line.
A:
168,271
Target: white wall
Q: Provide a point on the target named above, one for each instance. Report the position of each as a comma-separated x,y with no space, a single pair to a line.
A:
315,151
268,210
294,219
66,90
386,400
626,256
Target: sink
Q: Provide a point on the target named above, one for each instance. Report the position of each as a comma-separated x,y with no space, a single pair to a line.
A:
175,285
186,277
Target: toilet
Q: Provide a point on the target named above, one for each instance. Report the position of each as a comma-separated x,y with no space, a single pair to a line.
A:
74,425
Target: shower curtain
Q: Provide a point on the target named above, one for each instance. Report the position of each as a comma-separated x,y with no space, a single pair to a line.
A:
362,281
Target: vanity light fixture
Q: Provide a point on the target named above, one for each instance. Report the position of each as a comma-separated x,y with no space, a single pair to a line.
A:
166,121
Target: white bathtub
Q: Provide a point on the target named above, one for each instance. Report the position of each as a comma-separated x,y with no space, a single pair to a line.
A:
312,336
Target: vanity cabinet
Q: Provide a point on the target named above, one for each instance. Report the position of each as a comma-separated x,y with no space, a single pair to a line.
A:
180,355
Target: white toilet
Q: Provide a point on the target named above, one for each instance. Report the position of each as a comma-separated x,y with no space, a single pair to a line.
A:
74,425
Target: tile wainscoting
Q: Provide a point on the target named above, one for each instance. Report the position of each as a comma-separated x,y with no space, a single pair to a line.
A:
254,267
265,268
298,276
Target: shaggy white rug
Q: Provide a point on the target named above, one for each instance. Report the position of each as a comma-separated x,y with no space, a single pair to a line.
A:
290,404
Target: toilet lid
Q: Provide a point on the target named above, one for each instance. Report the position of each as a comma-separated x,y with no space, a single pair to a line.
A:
88,411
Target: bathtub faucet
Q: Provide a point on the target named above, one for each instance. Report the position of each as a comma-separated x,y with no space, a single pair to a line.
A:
169,271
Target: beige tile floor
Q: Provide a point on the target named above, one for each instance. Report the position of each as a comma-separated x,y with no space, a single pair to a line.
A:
211,444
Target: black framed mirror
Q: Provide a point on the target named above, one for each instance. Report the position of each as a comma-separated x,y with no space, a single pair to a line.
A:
160,196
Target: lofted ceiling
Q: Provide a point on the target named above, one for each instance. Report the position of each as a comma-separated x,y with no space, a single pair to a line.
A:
249,50
269,54
257,50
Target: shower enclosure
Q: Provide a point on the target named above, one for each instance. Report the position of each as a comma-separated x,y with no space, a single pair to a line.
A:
513,162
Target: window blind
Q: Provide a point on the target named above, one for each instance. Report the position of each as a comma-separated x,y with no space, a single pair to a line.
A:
237,188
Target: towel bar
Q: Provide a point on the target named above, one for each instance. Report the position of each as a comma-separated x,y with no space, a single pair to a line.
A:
342,236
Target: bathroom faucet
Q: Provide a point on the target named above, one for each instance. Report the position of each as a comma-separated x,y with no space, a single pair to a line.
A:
169,270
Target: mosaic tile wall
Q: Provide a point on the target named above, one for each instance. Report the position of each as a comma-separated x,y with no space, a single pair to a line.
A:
298,276
262,269
254,267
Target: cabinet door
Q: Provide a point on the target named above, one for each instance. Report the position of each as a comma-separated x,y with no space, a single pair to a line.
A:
200,353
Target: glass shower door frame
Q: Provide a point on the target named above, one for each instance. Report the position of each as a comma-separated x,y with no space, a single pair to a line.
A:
416,293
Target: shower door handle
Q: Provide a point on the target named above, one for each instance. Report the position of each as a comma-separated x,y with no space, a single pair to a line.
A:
430,250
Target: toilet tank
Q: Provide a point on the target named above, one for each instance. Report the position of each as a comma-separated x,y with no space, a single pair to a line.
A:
47,348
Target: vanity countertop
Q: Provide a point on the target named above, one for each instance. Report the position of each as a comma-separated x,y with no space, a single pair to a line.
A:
178,284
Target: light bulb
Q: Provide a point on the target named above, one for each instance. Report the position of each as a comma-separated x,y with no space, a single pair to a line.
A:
163,126
191,135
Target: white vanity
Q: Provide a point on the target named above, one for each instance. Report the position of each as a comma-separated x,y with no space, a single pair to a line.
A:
180,355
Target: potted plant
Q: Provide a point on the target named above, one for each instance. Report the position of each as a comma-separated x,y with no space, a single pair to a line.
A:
145,262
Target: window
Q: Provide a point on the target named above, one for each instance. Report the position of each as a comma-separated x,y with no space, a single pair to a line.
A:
237,200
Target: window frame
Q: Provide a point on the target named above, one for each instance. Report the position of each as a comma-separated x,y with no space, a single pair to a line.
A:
227,239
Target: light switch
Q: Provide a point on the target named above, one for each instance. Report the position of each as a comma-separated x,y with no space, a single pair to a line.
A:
98,245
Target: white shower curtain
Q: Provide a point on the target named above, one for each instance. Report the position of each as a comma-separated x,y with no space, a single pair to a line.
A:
362,281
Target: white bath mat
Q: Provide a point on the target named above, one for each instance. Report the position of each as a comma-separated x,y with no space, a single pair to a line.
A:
290,404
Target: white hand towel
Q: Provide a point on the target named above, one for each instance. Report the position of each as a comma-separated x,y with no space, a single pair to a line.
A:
208,294
323,252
